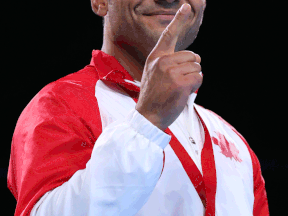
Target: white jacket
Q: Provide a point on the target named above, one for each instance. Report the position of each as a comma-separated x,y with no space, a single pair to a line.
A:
128,174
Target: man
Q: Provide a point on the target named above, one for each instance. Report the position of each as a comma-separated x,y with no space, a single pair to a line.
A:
91,143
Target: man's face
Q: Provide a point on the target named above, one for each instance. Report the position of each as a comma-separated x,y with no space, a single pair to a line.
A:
129,22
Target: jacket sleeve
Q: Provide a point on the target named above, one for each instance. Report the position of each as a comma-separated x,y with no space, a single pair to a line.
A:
125,165
260,207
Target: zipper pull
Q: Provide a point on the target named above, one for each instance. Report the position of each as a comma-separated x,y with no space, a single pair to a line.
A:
192,140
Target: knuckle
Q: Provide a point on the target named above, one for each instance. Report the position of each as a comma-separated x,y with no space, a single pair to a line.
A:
196,66
167,33
180,18
199,58
182,14
199,80
193,55
199,67
171,70
163,61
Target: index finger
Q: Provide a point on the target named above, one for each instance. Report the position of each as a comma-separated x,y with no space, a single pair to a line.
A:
168,39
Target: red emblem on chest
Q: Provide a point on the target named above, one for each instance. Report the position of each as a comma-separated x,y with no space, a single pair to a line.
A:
227,148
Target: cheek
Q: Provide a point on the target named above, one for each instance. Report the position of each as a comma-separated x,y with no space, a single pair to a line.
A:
198,8
198,5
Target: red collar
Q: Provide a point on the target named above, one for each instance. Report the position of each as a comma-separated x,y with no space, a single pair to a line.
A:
109,68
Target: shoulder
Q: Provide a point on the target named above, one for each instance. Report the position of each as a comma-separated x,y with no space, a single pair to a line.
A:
70,97
72,91
81,81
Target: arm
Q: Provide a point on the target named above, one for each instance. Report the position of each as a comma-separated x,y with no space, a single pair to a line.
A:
124,168
260,207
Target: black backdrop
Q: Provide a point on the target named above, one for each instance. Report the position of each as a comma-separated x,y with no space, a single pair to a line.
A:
241,50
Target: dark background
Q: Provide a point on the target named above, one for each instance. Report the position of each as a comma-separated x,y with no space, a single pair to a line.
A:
241,46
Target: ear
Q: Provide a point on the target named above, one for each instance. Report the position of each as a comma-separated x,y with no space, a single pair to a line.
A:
100,7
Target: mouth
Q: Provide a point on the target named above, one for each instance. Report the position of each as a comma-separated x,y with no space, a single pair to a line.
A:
161,16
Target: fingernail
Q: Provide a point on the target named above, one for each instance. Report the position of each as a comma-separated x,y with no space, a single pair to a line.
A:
185,7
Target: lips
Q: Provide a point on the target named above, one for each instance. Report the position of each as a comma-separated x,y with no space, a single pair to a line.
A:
163,16
162,12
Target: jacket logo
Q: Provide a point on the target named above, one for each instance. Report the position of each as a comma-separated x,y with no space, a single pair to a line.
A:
227,148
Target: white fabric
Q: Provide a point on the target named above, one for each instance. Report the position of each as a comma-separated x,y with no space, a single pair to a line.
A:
122,176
